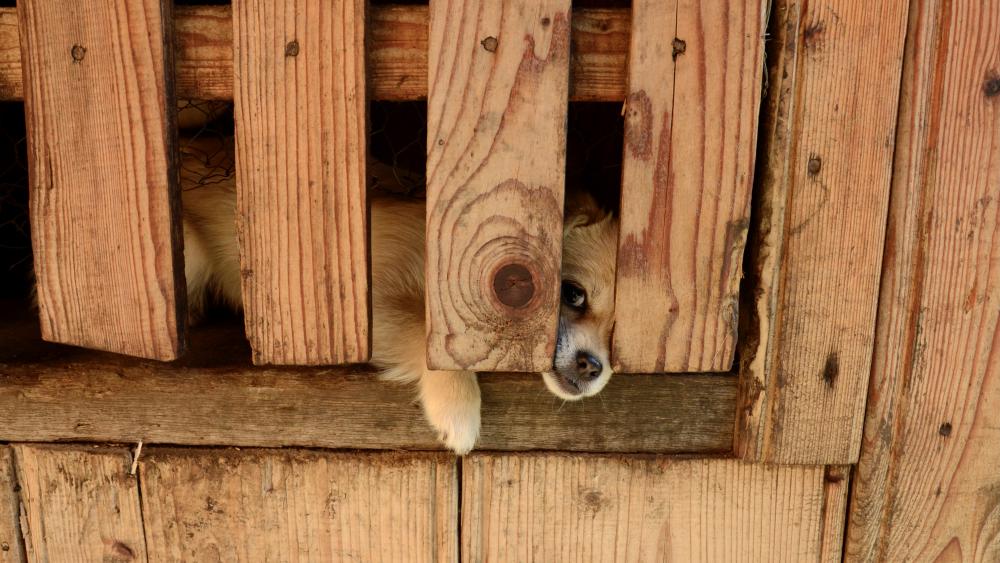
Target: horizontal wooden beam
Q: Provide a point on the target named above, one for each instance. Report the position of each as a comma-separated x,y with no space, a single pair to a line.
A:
397,53
214,396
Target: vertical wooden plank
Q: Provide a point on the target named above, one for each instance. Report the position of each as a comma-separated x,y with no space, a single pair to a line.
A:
104,204
691,121
561,508
81,504
816,270
11,544
927,485
285,505
300,156
836,487
496,137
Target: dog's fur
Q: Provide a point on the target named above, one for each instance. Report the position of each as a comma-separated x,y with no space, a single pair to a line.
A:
450,399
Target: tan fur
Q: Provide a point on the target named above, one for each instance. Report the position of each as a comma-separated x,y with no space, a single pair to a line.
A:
450,400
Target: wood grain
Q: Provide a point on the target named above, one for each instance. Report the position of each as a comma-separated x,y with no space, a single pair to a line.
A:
397,53
300,160
496,137
563,508
687,172
281,505
210,398
821,234
103,196
927,485
11,542
836,483
81,504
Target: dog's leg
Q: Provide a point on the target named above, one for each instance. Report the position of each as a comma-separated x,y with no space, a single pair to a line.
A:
451,403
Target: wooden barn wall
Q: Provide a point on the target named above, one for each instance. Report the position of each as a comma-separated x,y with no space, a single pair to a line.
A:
928,482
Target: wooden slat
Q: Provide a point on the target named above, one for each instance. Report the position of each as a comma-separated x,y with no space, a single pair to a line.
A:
562,508
815,273
496,137
927,485
691,119
837,481
397,53
300,161
81,504
95,397
280,505
11,543
103,194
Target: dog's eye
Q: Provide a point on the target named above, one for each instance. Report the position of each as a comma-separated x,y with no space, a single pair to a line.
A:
573,295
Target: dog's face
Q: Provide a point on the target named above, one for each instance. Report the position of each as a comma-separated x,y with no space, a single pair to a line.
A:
582,366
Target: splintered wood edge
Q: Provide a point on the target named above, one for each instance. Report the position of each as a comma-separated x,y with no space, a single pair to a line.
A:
397,53
127,401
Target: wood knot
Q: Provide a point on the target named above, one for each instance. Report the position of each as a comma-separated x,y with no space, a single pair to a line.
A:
78,52
490,44
679,46
292,49
991,87
513,285
546,21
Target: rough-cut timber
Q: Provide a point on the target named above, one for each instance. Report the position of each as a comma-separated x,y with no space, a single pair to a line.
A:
397,53
496,138
928,485
11,543
822,224
214,397
562,508
103,194
300,175
837,480
690,132
80,504
281,505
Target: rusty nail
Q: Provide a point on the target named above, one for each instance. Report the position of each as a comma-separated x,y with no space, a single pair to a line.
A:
546,21
945,429
679,46
77,52
292,49
490,44
815,165
992,86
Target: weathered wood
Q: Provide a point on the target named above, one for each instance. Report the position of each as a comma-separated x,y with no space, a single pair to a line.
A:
397,54
215,397
300,161
280,505
819,249
496,138
81,504
927,486
837,480
553,507
103,195
687,172
11,543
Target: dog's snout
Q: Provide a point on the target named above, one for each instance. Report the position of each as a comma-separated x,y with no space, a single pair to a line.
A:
587,366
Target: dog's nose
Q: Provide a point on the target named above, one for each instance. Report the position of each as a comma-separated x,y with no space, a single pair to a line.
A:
587,366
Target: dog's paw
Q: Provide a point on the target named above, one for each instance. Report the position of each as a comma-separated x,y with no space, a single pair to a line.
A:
451,403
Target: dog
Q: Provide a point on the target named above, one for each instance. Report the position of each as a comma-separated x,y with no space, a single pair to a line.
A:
450,399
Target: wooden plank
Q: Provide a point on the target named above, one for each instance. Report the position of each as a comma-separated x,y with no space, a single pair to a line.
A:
687,173
557,508
11,543
496,138
819,246
927,486
81,504
397,53
280,505
300,174
836,483
208,399
104,196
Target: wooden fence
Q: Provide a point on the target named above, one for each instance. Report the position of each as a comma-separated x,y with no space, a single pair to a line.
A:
858,422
